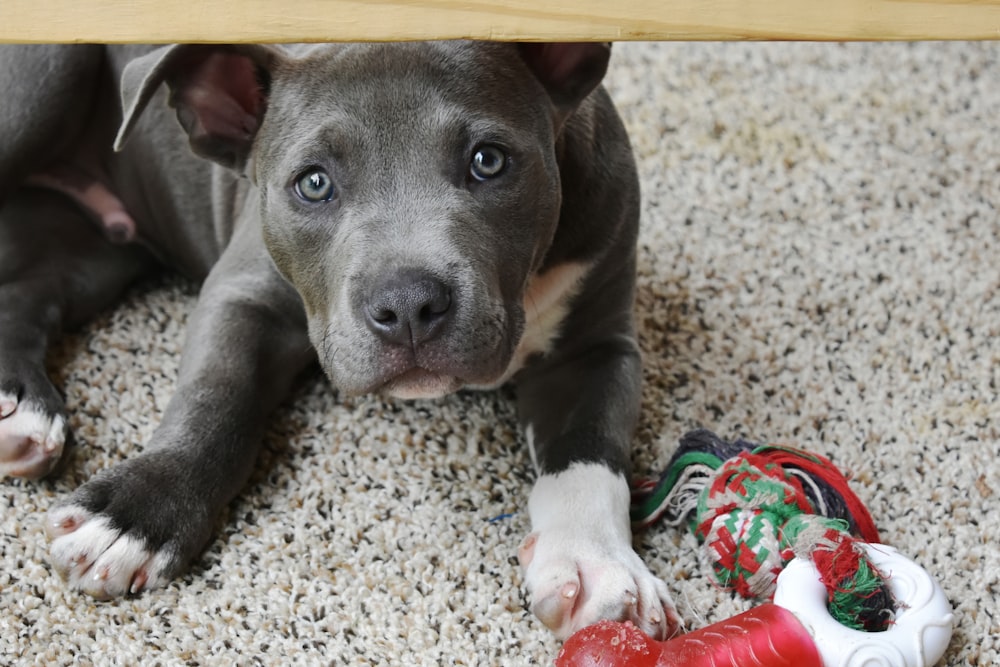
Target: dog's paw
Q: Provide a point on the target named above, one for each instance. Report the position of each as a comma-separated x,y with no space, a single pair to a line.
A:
95,557
574,584
33,433
131,528
579,564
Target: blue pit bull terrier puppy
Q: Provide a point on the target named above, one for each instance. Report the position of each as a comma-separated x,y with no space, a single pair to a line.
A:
419,218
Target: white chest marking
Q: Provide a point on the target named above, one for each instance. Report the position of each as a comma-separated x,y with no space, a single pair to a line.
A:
546,303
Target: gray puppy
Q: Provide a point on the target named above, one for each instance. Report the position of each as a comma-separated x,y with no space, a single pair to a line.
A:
420,218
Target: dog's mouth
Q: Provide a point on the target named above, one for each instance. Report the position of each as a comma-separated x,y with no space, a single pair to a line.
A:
421,383
466,354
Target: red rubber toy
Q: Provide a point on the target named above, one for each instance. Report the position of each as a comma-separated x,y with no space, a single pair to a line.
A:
765,636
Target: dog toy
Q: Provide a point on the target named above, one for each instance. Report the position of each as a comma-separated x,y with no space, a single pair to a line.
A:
783,523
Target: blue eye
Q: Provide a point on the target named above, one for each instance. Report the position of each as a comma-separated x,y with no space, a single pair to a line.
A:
487,162
315,186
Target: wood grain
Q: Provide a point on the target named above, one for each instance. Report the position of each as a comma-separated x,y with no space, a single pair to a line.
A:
355,20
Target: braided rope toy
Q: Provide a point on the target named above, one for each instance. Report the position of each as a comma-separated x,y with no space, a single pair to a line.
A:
779,522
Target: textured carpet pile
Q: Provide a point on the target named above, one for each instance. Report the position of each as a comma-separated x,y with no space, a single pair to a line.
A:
819,266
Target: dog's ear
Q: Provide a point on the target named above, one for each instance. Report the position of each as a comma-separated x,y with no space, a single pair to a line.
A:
569,71
219,92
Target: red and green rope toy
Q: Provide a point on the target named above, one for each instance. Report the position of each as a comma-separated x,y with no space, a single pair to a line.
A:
763,511
754,508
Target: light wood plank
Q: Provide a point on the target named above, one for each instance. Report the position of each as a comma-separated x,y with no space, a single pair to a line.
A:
350,20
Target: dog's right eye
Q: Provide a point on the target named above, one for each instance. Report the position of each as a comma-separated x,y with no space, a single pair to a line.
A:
314,186
487,162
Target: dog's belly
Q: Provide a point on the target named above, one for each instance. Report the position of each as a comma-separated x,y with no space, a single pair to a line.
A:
92,194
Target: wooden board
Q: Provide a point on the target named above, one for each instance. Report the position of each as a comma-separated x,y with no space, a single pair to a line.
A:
355,20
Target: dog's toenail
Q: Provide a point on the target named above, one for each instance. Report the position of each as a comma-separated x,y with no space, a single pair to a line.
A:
138,582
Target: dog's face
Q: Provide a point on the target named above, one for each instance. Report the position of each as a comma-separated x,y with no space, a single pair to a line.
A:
409,191
409,203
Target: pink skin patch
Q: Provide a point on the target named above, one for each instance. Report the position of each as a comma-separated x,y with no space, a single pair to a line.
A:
93,196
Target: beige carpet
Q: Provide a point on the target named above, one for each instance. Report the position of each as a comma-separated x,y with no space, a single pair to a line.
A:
820,265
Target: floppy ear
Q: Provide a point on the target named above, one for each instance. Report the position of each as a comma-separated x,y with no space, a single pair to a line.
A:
219,92
569,71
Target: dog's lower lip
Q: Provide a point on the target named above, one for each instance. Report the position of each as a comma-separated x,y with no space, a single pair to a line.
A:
420,382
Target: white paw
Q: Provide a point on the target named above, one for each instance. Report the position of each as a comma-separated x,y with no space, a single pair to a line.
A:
31,440
100,560
579,564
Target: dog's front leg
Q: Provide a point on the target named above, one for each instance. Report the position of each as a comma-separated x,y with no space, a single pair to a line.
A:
137,525
579,414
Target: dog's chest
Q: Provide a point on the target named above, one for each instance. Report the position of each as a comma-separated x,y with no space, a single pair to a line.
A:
546,303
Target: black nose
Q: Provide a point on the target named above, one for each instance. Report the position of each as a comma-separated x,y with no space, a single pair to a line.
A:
408,309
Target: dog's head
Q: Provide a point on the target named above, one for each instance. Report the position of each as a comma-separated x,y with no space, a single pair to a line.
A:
409,192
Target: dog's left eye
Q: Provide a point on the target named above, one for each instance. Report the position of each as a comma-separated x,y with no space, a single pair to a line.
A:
315,186
487,162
